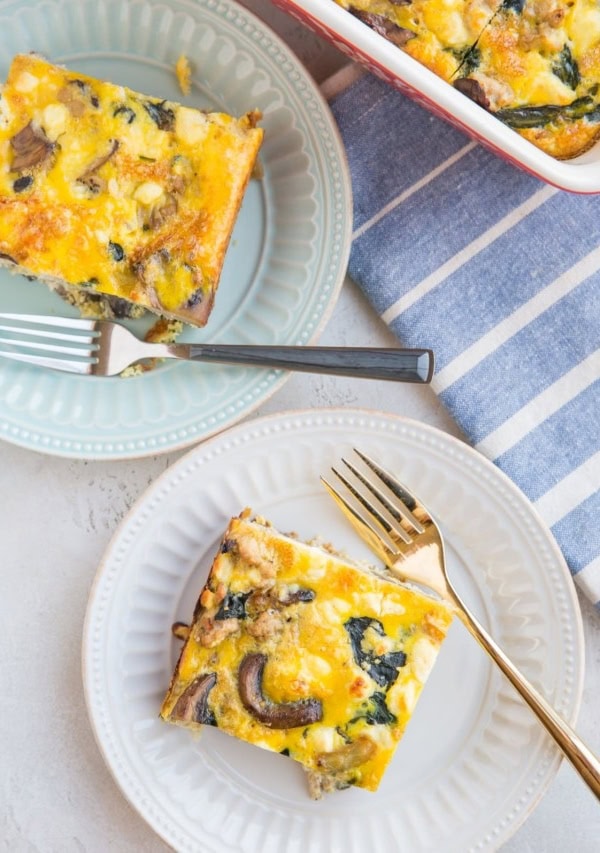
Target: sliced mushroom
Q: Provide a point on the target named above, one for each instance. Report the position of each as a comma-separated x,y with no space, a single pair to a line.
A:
162,211
285,715
5,257
73,98
31,147
180,630
89,178
147,271
386,28
348,756
192,705
303,594
473,90
265,599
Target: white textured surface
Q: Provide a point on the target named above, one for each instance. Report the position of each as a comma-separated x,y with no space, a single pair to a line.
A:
58,515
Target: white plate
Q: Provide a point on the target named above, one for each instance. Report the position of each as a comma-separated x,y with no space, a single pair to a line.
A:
474,761
290,246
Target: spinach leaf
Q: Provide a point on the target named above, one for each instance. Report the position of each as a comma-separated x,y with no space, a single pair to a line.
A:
524,117
468,58
566,68
233,606
163,117
375,711
383,669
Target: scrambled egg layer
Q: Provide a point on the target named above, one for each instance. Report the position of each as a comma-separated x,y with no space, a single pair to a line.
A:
345,653
118,193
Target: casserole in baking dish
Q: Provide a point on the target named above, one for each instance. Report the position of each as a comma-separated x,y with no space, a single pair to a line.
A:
472,55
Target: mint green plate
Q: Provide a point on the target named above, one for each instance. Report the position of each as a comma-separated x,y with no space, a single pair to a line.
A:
290,246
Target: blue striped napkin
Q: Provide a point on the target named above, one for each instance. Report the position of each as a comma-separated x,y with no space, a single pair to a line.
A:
499,274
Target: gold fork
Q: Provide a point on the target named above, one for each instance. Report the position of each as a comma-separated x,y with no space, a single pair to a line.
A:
401,531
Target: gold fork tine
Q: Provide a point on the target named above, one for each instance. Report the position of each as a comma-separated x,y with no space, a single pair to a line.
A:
395,496
374,505
366,525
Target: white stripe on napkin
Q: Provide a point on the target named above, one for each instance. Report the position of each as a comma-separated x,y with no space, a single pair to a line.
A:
588,579
516,321
567,494
468,253
413,189
541,407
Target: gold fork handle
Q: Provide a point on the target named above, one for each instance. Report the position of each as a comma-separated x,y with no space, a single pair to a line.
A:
580,756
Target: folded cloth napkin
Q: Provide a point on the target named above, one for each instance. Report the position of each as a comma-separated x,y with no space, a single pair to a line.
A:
499,274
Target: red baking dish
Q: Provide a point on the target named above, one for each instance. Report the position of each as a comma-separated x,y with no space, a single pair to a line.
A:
581,174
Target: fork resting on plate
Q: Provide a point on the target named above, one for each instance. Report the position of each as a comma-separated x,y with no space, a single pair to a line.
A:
401,531
104,348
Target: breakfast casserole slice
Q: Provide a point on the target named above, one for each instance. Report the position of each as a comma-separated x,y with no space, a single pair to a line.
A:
105,192
299,651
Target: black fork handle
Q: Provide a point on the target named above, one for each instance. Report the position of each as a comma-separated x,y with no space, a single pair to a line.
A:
393,364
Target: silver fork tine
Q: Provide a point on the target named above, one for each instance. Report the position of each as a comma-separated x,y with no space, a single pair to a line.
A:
42,333
377,508
85,351
23,320
83,367
32,339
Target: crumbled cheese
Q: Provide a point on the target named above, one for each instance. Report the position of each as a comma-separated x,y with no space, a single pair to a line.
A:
324,739
333,609
113,188
388,606
402,697
148,192
25,82
423,657
54,120
370,601
190,126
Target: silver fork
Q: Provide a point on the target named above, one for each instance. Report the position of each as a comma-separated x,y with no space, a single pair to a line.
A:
401,531
104,348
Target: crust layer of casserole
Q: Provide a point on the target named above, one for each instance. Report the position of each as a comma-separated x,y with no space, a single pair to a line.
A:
535,64
113,192
296,650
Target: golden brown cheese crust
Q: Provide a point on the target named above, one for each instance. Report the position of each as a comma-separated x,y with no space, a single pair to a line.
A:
295,650
437,34
535,64
109,190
